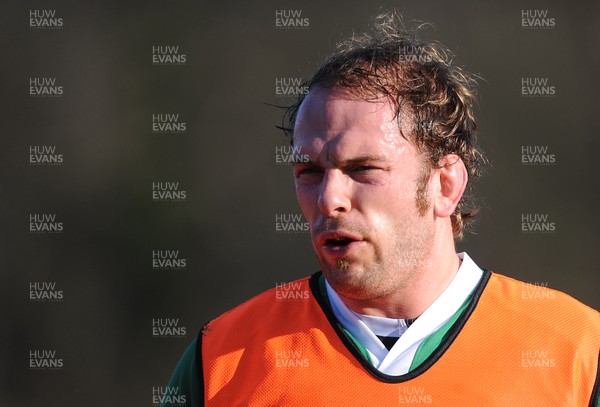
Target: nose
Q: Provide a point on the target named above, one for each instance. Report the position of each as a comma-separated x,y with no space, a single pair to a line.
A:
334,194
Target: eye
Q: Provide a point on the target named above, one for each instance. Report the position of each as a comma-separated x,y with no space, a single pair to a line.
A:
310,171
300,171
363,168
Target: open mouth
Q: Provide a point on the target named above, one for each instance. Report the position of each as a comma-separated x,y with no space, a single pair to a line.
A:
339,241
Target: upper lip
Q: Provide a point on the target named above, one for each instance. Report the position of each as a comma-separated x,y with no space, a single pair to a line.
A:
337,234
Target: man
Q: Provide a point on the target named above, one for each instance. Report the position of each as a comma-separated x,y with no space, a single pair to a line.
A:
387,144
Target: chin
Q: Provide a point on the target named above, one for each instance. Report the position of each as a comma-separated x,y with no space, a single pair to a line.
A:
349,281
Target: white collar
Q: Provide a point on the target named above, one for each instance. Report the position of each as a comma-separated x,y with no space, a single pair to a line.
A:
398,360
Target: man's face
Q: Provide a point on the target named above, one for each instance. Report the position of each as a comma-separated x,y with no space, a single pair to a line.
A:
359,192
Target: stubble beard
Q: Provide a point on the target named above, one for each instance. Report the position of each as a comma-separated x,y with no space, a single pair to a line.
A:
384,274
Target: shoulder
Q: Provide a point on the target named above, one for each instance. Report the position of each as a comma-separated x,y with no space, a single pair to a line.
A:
184,381
540,305
273,303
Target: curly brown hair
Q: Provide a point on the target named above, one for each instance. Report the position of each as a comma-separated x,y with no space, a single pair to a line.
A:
389,60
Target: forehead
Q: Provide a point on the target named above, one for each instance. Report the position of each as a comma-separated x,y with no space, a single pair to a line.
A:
340,123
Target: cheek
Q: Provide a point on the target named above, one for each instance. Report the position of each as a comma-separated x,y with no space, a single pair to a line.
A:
388,213
388,196
307,198
389,208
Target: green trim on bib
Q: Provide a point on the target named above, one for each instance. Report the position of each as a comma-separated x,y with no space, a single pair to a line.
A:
434,340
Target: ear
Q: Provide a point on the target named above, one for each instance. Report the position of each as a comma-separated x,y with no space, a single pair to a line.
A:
450,181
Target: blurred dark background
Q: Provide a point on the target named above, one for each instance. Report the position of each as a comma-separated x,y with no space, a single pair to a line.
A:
226,162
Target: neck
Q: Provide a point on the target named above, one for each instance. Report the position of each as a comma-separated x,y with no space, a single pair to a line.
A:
415,297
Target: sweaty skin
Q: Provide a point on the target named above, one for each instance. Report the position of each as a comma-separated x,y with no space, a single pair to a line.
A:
384,254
